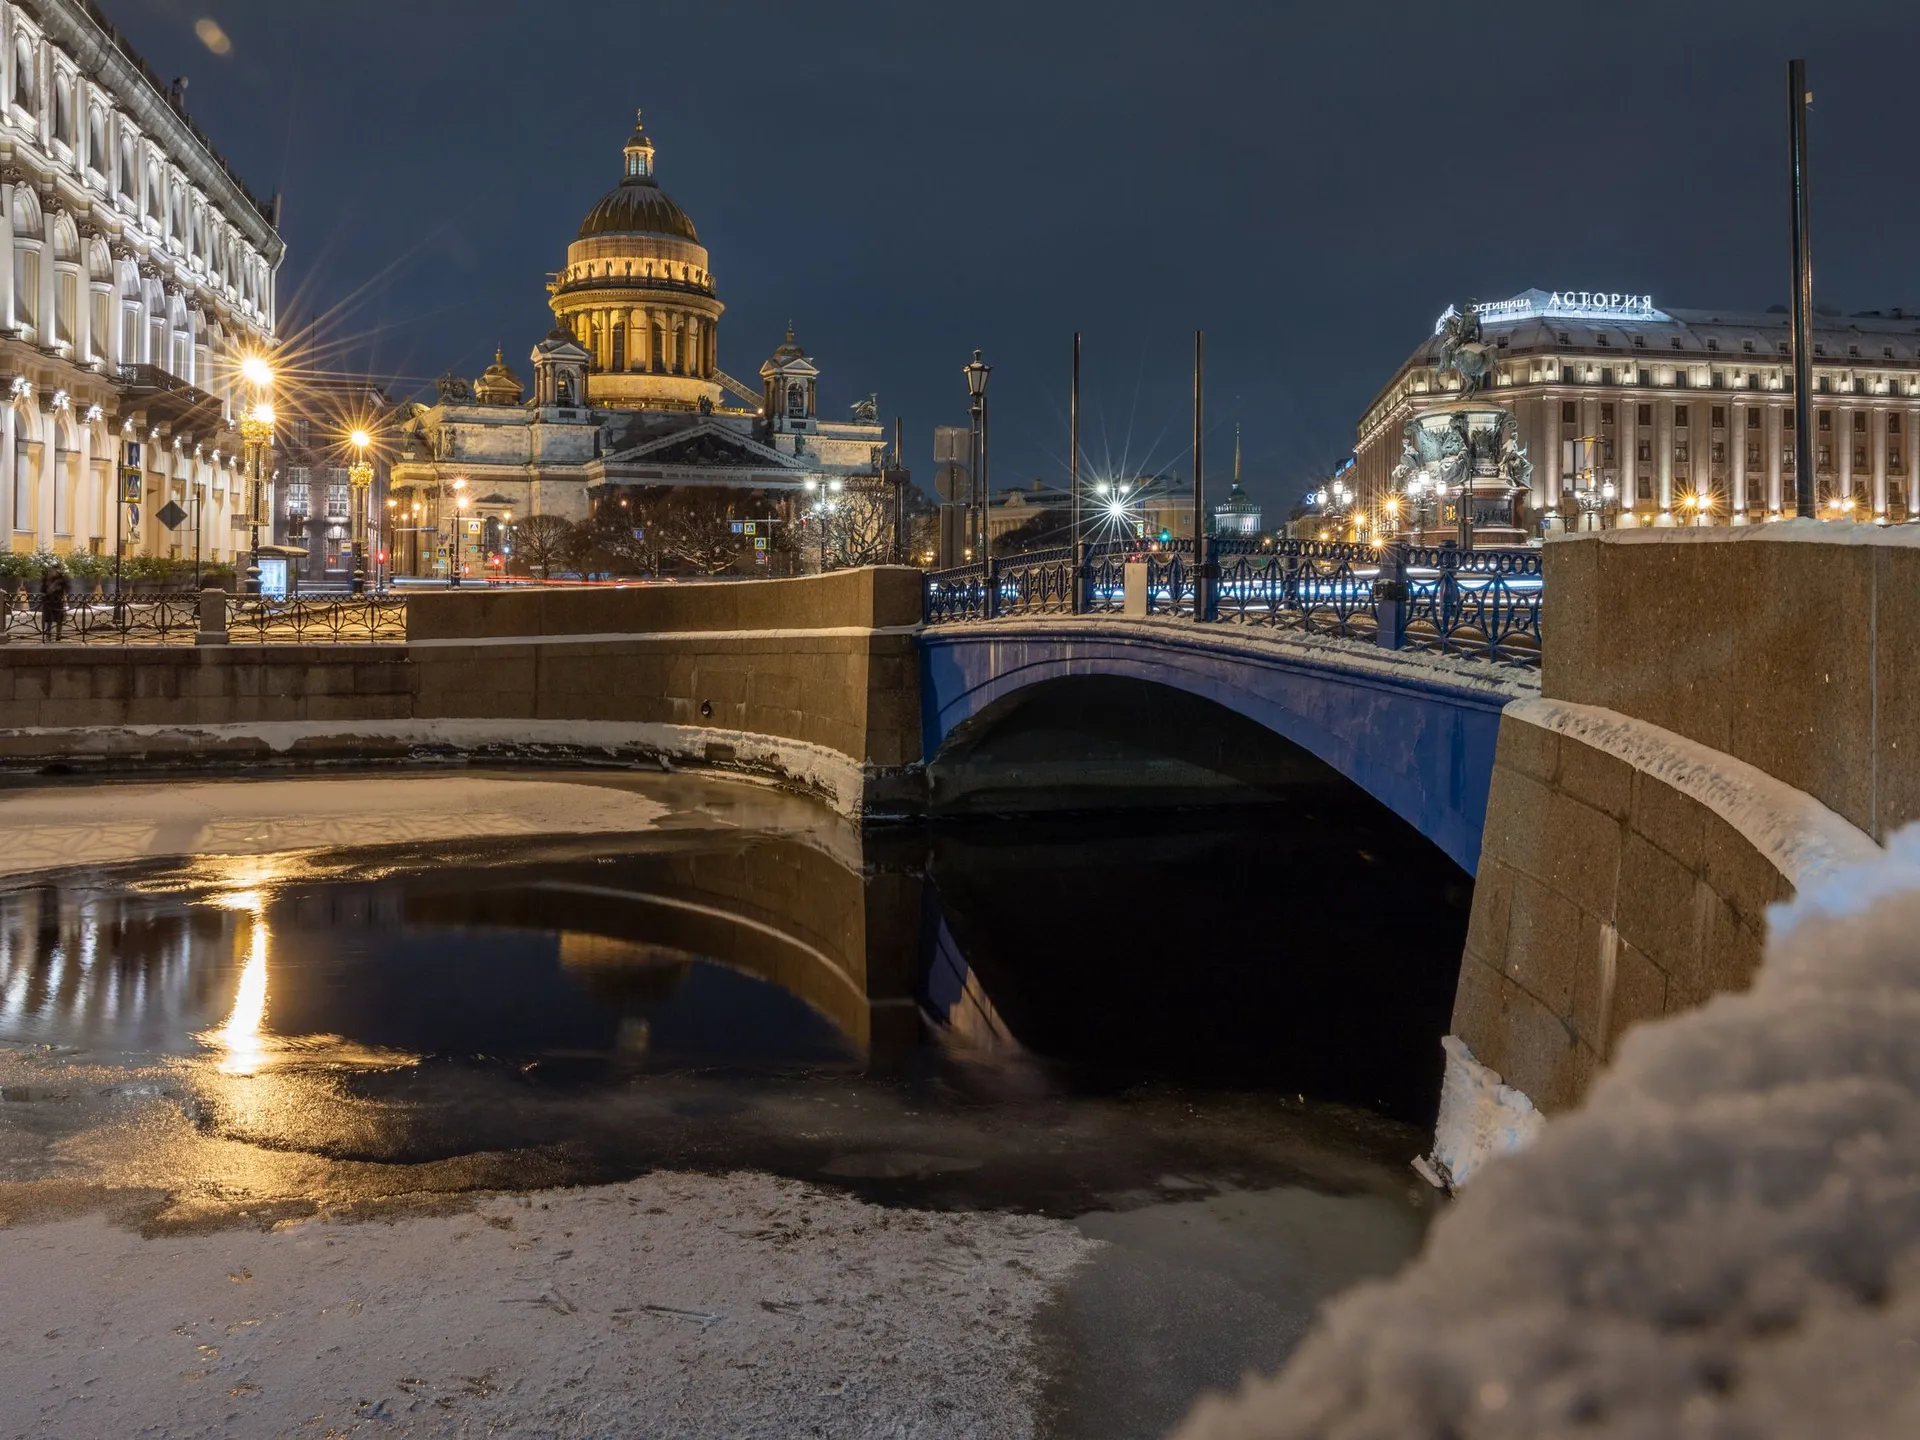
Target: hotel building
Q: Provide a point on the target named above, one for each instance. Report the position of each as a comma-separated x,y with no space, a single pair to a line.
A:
139,268
1687,414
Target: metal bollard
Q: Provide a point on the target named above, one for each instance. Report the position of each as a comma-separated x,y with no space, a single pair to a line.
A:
213,617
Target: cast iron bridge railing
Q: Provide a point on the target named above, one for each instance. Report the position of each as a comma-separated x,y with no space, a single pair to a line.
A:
172,617
1483,604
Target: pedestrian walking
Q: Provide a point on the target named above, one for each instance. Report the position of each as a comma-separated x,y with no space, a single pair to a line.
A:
53,603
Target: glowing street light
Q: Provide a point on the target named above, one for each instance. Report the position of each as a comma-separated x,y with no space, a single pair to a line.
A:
360,479
256,431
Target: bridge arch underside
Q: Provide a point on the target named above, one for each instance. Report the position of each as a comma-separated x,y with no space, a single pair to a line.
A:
1065,715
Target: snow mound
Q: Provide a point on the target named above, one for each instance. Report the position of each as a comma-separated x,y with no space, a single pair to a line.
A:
1723,1241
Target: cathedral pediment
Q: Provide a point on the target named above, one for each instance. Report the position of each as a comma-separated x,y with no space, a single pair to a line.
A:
706,445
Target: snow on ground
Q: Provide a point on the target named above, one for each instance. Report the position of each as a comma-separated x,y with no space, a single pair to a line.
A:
105,824
674,1305
1723,1241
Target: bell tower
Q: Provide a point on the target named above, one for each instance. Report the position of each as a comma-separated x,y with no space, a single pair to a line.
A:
788,384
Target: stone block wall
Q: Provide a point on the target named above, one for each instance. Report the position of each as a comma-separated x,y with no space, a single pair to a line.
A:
814,678
1724,713
1605,897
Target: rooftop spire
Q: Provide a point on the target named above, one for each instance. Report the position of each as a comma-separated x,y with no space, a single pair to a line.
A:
1236,452
639,151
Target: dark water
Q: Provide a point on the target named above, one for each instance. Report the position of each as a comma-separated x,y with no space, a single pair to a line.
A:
1120,1019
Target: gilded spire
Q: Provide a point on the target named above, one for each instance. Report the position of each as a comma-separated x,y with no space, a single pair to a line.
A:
1236,452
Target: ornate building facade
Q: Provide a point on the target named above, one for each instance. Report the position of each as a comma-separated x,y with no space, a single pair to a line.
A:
140,270
1637,415
627,391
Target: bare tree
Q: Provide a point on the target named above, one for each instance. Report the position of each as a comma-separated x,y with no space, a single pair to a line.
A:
693,526
542,541
853,526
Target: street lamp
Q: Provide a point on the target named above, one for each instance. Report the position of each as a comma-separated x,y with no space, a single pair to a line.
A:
457,530
256,431
976,374
360,481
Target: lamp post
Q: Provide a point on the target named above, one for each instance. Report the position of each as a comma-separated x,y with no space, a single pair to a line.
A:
256,430
360,483
460,504
976,374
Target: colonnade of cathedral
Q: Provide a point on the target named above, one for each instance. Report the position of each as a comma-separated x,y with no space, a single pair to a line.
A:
669,342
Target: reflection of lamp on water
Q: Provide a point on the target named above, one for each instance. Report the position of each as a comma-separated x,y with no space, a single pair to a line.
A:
240,1036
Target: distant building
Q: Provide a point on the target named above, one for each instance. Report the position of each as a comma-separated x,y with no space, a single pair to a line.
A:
1238,515
313,497
627,391
1682,413
139,270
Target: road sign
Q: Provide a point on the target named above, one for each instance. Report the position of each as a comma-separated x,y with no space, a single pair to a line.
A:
739,527
953,482
171,515
133,516
952,443
130,484
749,529
759,542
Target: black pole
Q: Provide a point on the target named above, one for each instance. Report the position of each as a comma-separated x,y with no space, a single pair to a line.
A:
1201,569
1073,447
1803,477
984,492
119,527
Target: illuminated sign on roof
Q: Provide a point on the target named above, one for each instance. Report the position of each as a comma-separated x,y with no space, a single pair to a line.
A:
1606,306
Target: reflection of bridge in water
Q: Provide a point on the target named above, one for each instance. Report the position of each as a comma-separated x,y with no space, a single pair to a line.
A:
979,939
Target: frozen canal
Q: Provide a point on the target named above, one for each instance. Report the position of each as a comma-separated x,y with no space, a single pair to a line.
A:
612,1104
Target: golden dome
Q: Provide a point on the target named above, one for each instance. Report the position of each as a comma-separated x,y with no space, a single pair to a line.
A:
499,385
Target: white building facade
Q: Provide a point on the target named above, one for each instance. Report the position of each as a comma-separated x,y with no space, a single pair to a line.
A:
140,270
1635,414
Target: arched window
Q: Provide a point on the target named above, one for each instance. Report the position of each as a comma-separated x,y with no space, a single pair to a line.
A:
63,109
26,261
153,192
796,401
97,153
129,172
25,93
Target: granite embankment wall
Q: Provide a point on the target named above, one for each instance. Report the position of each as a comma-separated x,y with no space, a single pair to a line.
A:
813,679
1725,715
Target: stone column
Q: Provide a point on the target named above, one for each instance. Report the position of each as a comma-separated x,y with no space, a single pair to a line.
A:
1843,453
647,343
1775,443
1877,454
1910,457
1628,451
6,253
1663,459
1549,467
1737,457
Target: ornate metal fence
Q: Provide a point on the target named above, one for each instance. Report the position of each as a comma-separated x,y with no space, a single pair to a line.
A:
1479,603
173,617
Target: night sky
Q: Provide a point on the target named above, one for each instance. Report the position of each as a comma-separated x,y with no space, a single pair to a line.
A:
1311,183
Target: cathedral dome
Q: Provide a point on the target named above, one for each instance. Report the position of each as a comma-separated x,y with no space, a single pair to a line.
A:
638,206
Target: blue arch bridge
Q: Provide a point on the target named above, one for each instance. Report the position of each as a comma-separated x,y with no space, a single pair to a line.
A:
1411,718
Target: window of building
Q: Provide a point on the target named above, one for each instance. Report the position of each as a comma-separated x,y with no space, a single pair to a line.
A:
1679,417
1600,340
1646,415
1680,456
1719,417
1646,450
1893,424
1753,453
1786,418
1747,346
1606,413
1859,422
1639,342
1675,342
619,346
1644,490
1569,412
1500,342
299,430
1854,350
1893,458
1825,458
796,402
1713,344
1719,455
1859,457
1565,338
1819,349
1886,352
299,489
336,494
1566,375
1783,347
1753,419
1606,451
1826,419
